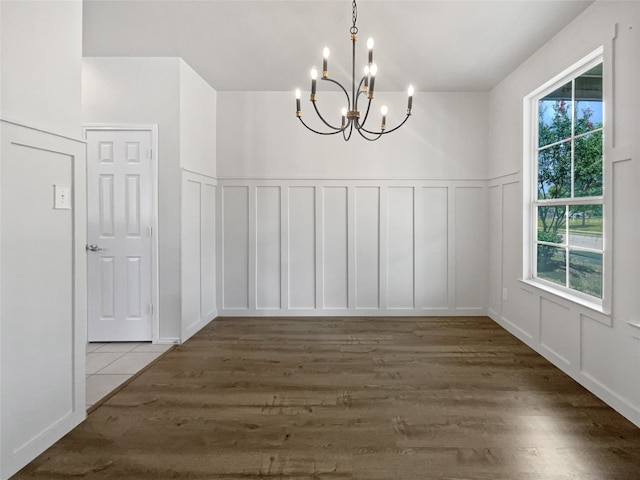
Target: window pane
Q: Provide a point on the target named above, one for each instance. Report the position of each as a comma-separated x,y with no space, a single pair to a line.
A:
588,98
569,178
551,224
551,264
588,165
585,226
554,171
585,272
554,116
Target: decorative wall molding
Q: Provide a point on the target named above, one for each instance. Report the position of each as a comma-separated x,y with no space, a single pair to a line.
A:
342,180
198,250
25,126
351,247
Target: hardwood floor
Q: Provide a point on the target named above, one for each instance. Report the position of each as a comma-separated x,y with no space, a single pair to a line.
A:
349,398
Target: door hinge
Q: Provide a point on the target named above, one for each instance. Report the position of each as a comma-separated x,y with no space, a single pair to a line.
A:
151,154
150,231
151,308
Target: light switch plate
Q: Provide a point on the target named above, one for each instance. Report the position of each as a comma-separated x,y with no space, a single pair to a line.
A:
62,197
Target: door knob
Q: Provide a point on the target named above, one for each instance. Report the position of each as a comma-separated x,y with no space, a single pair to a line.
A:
94,248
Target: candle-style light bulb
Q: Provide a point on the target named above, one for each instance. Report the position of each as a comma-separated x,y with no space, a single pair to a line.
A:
383,111
410,100
314,76
370,47
298,93
366,78
373,70
344,116
325,55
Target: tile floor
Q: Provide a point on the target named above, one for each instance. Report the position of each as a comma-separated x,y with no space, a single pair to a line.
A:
111,364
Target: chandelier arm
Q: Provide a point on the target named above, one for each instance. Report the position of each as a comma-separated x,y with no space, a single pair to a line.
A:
384,132
344,135
398,126
316,131
315,106
378,135
337,129
346,94
364,120
360,90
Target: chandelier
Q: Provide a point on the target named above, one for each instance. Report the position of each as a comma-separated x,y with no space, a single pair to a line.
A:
351,117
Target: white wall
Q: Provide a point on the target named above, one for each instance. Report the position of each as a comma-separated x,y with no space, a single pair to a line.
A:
259,136
601,351
40,56
146,91
42,256
197,123
312,225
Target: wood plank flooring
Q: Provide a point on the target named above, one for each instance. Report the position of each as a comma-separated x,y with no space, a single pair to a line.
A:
450,398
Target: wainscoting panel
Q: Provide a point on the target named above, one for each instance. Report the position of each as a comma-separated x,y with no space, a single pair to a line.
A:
351,247
335,248
191,252
302,247
208,250
235,247
557,330
431,249
494,298
598,341
367,247
198,262
400,258
625,235
470,246
268,248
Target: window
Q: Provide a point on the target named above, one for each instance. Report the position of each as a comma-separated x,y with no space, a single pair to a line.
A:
566,234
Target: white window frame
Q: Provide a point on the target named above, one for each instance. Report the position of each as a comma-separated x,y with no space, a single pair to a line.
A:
530,191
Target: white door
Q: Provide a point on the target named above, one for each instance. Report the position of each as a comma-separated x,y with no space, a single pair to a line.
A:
119,210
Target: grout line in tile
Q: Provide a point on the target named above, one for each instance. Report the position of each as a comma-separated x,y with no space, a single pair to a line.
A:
122,354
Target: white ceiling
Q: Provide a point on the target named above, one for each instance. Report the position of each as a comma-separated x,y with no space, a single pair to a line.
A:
270,45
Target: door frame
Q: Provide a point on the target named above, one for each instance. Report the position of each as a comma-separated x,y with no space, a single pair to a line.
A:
153,129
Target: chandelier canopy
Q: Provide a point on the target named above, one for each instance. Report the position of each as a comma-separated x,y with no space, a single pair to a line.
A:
351,117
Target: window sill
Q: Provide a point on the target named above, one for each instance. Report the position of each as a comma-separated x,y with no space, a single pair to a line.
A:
583,302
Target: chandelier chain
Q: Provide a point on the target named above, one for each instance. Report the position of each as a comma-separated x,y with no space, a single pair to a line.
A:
354,17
